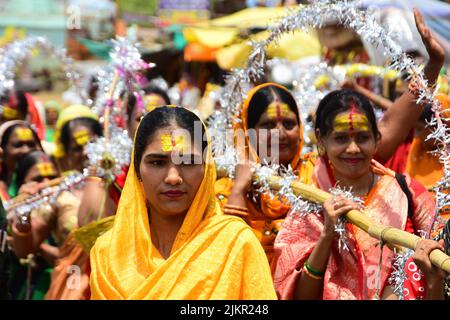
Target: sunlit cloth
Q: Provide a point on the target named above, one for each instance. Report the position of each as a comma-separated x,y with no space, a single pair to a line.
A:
69,278
350,274
213,256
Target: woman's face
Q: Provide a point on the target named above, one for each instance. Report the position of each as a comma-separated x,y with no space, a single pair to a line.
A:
170,186
80,136
41,172
20,143
279,130
150,101
351,145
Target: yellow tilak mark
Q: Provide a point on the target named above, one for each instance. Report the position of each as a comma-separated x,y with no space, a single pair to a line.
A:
357,122
278,109
46,169
24,134
9,113
81,137
168,143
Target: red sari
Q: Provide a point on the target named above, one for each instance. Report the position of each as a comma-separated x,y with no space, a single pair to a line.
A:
353,274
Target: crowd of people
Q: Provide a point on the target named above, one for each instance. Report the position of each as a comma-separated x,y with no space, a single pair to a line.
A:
170,229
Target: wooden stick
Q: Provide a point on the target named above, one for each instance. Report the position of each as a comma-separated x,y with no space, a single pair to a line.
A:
14,202
108,108
388,235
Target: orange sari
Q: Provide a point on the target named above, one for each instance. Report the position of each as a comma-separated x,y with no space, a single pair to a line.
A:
350,274
424,166
266,216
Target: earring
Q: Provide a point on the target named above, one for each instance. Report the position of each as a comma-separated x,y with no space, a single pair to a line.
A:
320,150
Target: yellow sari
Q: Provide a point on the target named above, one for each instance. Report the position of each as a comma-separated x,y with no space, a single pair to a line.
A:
266,217
213,256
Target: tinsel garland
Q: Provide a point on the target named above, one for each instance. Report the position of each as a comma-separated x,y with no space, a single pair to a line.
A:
365,25
398,276
15,54
110,154
47,195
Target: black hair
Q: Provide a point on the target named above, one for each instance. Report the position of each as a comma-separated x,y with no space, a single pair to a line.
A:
19,95
262,98
427,114
339,101
130,99
160,118
27,162
8,132
90,123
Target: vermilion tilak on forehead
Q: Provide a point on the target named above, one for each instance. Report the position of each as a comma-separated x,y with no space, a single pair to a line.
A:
353,111
351,121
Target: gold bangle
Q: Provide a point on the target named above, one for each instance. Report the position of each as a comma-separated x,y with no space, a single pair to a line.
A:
230,206
93,178
309,274
233,212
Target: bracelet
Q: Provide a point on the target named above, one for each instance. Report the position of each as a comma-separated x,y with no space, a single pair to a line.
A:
93,178
230,206
309,274
313,271
234,212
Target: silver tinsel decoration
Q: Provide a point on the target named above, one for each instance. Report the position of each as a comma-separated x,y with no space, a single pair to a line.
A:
340,226
316,15
398,276
109,157
15,54
47,195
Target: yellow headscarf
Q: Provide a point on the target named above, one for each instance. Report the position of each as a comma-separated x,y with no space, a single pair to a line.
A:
213,256
68,114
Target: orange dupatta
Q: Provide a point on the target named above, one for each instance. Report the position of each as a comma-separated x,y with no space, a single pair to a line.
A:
213,256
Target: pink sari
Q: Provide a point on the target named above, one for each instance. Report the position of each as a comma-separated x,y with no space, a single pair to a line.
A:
353,274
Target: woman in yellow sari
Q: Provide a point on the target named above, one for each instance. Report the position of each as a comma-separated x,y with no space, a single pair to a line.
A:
170,239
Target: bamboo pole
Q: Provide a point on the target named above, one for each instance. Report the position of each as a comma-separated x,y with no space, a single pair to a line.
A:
108,108
387,234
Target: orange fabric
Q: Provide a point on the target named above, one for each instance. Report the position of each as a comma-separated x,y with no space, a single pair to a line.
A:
69,280
266,217
422,165
35,118
199,52
353,274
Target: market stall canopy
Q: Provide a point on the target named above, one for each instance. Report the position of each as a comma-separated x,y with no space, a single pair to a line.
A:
292,46
222,38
